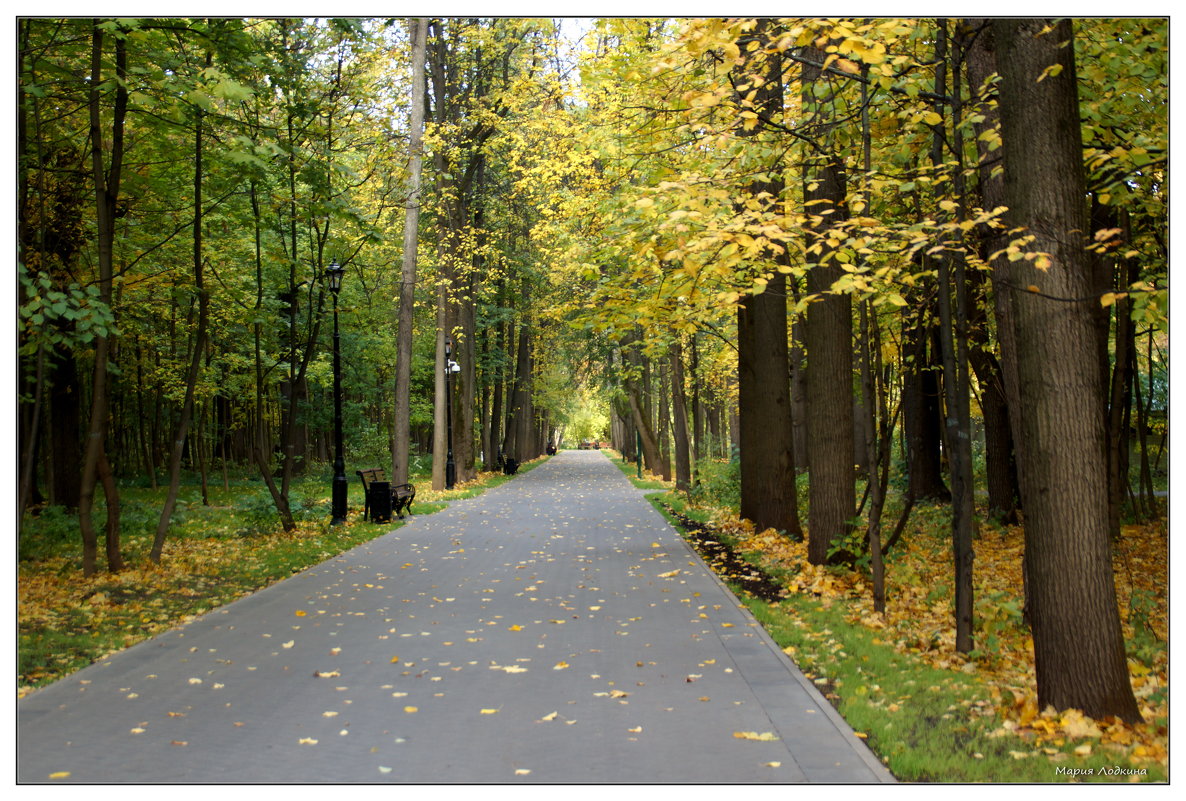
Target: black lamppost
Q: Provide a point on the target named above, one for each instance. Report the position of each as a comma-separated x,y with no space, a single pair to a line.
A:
333,275
451,367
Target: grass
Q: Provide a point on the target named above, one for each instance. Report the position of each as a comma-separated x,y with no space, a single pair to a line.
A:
215,554
929,714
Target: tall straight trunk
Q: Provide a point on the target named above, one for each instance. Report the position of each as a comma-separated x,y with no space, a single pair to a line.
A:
828,340
1079,653
683,466
261,442
402,439
637,399
665,401
1120,383
920,407
873,409
509,383
798,393
1000,466
524,408
106,178
953,326
767,465
440,388
981,62
199,348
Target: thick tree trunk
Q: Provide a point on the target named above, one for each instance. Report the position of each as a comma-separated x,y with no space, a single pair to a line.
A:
768,497
920,409
402,439
1078,644
981,67
828,340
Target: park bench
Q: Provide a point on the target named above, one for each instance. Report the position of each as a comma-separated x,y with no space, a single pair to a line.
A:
381,500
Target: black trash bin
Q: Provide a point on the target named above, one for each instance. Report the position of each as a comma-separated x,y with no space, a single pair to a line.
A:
379,501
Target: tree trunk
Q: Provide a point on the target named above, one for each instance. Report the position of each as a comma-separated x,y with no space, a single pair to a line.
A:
106,183
683,465
768,497
953,337
872,410
828,340
982,67
199,348
665,412
402,439
1078,644
920,409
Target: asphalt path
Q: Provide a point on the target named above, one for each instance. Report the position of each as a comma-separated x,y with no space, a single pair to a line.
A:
553,629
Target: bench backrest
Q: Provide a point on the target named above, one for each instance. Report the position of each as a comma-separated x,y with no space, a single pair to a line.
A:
374,474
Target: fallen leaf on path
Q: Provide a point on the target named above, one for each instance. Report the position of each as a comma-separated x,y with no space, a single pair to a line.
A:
61,774
307,741
753,735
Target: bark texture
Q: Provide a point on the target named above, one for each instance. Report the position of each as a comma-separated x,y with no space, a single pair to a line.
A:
1078,643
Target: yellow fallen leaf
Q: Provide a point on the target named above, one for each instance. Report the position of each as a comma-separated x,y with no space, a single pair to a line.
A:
321,674
383,769
394,659
489,711
560,666
551,716
300,613
753,735
635,730
411,709
307,741
515,627
774,764
669,574
61,774
288,644
521,771
1083,750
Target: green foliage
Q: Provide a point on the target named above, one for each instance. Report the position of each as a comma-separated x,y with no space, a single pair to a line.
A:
719,483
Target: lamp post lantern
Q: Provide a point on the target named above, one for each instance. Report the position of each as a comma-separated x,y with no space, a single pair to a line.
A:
451,367
333,275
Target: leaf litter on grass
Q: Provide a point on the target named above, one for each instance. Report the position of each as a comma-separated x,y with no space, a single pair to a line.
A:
918,623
